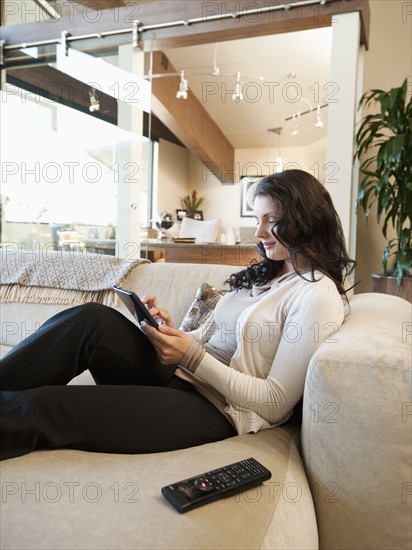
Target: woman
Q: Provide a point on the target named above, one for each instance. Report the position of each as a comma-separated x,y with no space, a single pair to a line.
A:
242,371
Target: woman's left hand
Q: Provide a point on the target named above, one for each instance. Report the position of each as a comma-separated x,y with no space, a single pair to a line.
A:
170,344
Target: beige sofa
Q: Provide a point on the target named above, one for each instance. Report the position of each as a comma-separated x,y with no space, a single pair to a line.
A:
344,482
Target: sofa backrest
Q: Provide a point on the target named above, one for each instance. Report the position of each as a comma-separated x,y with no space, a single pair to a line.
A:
174,284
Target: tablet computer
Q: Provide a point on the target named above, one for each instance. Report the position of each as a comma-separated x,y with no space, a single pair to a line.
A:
135,306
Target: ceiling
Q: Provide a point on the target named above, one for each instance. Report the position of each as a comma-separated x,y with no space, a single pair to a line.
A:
267,102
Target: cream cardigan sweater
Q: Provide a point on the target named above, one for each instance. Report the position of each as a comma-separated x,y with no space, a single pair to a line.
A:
278,335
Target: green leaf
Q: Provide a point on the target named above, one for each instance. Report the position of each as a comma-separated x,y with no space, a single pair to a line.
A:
383,145
385,256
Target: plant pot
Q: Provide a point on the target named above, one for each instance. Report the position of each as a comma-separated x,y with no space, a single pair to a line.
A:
386,284
195,214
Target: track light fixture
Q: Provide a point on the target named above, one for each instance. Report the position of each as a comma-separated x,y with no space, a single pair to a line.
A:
319,119
238,95
183,87
94,101
279,161
295,127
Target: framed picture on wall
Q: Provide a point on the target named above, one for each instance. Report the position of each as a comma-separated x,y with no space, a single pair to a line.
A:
180,214
247,194
195,214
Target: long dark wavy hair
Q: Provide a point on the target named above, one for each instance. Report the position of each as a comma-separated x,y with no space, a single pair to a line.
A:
309,227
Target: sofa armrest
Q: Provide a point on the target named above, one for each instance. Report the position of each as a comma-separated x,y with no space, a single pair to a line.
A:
356,431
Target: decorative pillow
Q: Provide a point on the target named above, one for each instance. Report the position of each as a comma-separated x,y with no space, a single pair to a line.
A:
204,303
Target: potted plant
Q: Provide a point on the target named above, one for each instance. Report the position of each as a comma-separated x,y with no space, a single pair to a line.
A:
191,203
383,144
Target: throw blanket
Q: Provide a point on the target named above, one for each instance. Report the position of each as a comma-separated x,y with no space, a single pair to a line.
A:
56,277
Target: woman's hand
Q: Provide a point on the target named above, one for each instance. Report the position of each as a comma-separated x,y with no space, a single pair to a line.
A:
170,344
150,301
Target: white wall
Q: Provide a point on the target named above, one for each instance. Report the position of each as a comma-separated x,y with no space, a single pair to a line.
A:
387,63
316,160
180,172
223,201
173,172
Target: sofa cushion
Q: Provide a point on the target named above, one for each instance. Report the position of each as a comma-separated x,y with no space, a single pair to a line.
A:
4,349
356,431
74,500
202,306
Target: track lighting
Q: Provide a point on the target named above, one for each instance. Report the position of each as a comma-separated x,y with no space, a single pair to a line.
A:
298,97
215,72
183,87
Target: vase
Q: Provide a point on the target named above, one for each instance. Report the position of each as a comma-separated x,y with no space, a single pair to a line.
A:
387,284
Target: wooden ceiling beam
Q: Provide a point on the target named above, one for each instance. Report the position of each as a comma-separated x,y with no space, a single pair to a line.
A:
46,81
190,122
99,5
297,17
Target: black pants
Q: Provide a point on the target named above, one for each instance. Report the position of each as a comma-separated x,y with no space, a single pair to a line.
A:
137,406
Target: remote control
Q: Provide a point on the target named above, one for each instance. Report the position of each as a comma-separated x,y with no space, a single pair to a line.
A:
210,486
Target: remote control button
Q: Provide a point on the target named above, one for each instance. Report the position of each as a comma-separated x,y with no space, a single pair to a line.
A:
223,477
203,485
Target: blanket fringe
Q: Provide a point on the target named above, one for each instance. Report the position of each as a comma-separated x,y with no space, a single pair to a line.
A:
53,277
45,295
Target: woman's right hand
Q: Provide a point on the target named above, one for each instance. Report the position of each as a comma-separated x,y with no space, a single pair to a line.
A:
150,301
